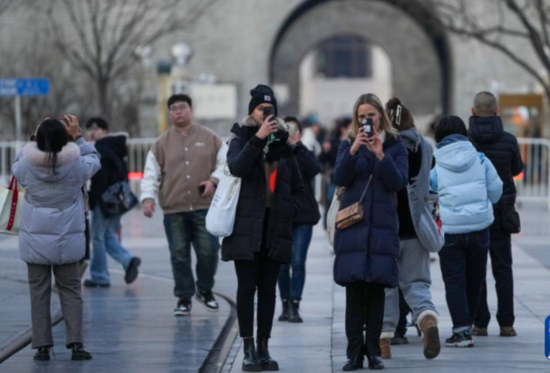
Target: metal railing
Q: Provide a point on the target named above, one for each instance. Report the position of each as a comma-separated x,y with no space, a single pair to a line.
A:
533,185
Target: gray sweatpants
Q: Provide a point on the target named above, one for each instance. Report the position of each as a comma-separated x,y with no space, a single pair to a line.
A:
67,279
414,281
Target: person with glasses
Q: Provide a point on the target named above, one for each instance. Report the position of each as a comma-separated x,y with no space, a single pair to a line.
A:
182,171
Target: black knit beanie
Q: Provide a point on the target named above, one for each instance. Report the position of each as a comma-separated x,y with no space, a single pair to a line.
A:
262,94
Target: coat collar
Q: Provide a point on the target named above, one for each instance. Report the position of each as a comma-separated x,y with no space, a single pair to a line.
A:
36,157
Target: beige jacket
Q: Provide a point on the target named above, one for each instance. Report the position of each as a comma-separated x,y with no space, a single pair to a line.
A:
177,163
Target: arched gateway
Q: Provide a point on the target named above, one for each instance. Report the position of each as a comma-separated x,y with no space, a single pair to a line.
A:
408,31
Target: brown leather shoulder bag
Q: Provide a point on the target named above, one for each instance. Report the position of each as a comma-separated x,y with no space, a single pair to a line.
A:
354,213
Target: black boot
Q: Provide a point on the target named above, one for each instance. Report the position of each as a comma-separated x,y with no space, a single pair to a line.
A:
284,314
294,314
79,353
375,362
43,353
250,361
355,363
263,355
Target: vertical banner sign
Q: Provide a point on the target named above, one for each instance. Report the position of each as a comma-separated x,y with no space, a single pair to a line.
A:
547,337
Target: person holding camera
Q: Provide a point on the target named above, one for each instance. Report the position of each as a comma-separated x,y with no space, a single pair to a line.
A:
468,186
488,136
269,200
372,166
51,238
417,231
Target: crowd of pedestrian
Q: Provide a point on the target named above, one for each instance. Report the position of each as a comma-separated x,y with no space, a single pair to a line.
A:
397,201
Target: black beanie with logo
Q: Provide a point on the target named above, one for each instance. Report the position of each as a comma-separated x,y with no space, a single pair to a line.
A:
262,94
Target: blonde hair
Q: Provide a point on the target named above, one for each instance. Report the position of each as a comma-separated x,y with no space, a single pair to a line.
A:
385,122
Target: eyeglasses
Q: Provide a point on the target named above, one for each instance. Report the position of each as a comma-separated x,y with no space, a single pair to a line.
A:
178,108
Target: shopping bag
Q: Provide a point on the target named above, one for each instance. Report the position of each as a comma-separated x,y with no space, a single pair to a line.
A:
331,214
11,202
220,218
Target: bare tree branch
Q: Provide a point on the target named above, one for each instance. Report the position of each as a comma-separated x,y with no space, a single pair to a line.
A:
459,19
100,37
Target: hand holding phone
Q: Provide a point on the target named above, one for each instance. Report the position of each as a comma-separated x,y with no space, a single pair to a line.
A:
368,126
268,110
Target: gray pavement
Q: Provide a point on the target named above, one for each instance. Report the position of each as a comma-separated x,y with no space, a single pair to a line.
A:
131,328
127,327
14,295
319,344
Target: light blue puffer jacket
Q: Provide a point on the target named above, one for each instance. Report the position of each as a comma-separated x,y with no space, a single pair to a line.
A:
468,186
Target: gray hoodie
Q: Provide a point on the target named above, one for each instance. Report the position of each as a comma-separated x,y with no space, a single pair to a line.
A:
51,230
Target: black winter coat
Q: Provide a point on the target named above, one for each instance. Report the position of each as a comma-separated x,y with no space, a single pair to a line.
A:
488,136
113,151
245,160
309,168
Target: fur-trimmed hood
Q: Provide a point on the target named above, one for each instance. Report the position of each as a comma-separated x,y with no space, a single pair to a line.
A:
40,162
250,122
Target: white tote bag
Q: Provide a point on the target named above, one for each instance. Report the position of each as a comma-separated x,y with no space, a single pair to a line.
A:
220,218
11,202
331,214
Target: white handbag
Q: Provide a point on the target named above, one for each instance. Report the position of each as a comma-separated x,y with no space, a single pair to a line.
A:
220,218
11,202
332,212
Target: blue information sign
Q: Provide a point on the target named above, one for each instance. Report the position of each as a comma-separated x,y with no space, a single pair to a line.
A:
24,87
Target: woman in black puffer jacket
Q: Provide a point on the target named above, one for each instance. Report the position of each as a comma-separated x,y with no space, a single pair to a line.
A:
270,198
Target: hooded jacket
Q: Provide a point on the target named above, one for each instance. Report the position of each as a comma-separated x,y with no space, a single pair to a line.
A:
113,151
245,159
51,230
488,136
468,186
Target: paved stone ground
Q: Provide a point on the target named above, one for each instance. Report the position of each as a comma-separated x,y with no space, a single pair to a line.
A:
127,328
131,328
319,344
14,294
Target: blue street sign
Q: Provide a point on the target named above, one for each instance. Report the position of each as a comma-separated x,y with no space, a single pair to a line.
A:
24,87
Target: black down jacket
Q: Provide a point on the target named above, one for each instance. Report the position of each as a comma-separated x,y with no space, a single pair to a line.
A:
245,160
488,136
113,151
309,168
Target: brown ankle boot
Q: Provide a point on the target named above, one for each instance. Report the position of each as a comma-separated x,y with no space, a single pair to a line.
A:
427,322
385,348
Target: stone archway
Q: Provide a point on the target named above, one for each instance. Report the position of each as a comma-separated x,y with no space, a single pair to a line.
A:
410,34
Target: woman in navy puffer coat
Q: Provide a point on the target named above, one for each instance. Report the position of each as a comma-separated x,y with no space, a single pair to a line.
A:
367,252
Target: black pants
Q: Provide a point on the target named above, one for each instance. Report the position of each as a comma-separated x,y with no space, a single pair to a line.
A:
501,261
364,306
259,274
463,261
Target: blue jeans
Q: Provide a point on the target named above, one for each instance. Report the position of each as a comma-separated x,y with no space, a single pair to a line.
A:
105,241
292,288
463,261
182,230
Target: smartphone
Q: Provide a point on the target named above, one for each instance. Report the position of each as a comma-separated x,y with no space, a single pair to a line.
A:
270,110
202,188
368,126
